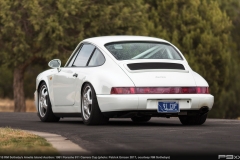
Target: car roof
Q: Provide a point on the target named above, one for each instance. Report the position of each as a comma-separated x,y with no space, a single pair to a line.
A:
108,39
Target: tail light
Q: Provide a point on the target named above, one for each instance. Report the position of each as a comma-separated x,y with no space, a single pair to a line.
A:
159,90
123,90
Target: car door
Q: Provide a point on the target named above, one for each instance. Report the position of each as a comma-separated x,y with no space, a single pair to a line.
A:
64,82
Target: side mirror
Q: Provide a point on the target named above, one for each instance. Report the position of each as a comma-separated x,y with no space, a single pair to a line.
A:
55,63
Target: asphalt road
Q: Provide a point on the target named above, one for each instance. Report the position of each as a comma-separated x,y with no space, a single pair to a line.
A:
160,136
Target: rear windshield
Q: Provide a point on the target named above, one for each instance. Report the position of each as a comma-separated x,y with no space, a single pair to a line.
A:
142,50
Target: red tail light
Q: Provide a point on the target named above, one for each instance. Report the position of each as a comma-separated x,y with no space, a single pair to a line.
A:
123,90
159,90
203,90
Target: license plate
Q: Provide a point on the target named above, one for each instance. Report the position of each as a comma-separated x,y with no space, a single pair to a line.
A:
168,107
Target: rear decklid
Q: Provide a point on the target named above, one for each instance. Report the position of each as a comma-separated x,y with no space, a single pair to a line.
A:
164,73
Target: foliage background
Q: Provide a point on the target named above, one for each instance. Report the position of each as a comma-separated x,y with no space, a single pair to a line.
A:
206,31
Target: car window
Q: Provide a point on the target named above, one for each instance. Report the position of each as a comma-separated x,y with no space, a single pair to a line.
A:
97,59
72,60
83,56
142,50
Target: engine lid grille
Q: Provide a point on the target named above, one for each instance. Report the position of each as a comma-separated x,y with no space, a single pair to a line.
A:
154,65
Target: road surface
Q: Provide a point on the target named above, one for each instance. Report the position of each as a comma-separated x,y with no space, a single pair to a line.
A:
158,137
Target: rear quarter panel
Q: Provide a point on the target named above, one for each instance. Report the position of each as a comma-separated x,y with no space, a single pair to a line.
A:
199,80
104,77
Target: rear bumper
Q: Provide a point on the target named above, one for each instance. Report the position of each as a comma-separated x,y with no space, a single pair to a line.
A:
149,102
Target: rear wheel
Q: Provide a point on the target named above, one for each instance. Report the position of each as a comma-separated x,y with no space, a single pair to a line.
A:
44,105
140,119
193,120
90,111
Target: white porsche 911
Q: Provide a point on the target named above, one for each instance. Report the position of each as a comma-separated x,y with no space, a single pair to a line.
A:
123,77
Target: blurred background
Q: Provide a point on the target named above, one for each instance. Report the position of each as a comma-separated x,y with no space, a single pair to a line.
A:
33,32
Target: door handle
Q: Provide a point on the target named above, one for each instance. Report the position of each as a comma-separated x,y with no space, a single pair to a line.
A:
75,75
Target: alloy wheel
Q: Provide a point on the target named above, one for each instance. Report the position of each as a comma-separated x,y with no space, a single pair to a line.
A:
42,104
87,102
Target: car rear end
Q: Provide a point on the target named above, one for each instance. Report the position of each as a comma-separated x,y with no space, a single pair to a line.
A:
153,88
164,84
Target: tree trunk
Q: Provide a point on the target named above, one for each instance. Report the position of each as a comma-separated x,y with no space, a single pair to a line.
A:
19,98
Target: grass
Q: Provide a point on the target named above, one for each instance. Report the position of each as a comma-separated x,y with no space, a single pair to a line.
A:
18,142
7,105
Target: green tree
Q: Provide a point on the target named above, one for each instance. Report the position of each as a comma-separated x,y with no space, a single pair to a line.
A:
114,17
29,31
6,83
201,30
232,8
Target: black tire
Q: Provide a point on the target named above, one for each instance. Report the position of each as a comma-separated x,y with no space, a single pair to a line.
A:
46,114
95,117
140,119
193,120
